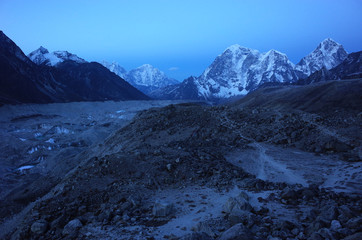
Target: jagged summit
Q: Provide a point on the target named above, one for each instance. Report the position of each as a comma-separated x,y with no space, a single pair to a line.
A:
42,50
146,66
328,54
328,41
237,49
42,56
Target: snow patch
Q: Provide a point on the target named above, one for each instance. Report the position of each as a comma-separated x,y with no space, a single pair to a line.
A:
33,150
62,130
50,140
23,168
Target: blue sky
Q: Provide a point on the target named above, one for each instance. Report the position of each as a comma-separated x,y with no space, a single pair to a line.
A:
179,37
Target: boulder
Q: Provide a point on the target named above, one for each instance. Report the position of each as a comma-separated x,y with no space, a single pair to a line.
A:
241,216
196,236
289,194
203,227
72,227
329,212
325,233
335,225
237,232
241,202
345,214
39,227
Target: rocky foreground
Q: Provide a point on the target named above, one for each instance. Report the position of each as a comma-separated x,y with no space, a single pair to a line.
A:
166,176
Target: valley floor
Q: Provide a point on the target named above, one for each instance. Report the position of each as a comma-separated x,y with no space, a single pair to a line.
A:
181,171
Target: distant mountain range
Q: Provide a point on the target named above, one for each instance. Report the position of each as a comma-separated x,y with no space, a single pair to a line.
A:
61,76
239,70
145,78
56,77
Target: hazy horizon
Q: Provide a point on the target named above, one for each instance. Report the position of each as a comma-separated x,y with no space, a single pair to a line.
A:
179,38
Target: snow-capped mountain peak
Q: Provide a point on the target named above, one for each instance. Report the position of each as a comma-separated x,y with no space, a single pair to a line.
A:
42,50
116,68
236,49
275,59
239,69
147,75
42,56
328,54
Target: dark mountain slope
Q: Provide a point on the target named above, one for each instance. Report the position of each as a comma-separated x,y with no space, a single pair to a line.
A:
318,97
19,77
22,81
185,90
94,82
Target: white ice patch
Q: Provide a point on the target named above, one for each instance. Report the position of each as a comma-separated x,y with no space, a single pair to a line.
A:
37,134
22,139
111,115
23,168
45,126
50,140
62,130
120,111
33,150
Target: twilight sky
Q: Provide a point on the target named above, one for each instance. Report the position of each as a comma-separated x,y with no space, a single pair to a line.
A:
179,37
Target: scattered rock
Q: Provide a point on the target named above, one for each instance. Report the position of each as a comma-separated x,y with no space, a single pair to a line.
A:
316,236
356,236
354,223
325,233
